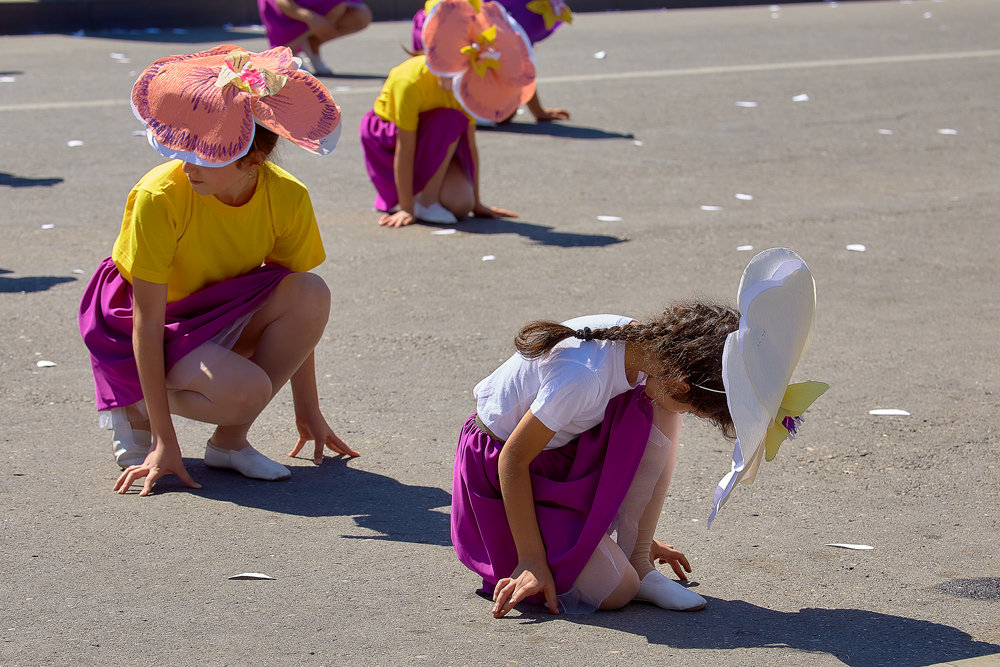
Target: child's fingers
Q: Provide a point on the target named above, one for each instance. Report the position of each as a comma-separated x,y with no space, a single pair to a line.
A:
339,446
298,446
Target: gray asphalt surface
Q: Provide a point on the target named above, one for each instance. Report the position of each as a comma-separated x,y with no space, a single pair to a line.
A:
363,569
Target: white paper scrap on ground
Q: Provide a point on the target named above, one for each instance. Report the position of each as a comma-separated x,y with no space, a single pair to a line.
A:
442,232
251,575
858,547
489,258
73,143
609,218
775,8
744,248
7,79
78,271
138,133
947,130
884,131
601,55
48,225
637,143
45,364
707,207
856,247
889,411
928,15
746,104
744,197
341,89
804,97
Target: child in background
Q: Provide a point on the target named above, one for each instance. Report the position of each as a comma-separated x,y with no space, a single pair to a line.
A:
206,308
419,139
575,437
538,19
304,25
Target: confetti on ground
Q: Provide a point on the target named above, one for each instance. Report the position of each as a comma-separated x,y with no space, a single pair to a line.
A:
706,207
885,131
45,364
609,218
947,130
804,97
48,225
601,55
7,79
746,105
251,575
78,271
891,412
774,8
744,248
74,143
744,197
489,258
138,133
928,15
856,247
857,547
120,58
341,89
442,232
637,143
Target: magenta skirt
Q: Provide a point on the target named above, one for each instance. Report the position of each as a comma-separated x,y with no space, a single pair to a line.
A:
578,490
282,29
436,130
105,320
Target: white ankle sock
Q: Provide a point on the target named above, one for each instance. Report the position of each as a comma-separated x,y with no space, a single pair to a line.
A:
247,461
667,593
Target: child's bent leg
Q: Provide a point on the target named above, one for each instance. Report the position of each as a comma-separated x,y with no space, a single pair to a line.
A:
607,581
217,386
457,192
431,193
279,338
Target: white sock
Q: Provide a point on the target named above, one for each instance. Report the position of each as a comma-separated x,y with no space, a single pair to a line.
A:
247,461
667,593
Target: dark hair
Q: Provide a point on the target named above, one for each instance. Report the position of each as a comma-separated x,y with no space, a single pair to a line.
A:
264,140
687,339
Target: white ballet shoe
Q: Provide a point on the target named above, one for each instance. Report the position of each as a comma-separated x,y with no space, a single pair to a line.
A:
434,213
130,446
313,63
247,461
667,593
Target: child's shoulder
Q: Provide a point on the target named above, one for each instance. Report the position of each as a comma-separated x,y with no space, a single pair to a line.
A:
163,178
283,180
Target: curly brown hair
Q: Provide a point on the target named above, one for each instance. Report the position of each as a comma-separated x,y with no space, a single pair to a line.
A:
687,339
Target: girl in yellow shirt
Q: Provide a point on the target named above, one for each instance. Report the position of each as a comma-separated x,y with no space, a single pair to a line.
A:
419,139
206,307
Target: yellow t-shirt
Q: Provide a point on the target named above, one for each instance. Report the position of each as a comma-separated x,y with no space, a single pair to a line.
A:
170,234
410,90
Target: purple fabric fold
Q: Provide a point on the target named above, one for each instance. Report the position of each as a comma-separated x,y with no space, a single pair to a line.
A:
105,320
578,490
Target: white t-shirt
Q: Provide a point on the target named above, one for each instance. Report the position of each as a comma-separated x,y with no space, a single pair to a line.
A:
568,389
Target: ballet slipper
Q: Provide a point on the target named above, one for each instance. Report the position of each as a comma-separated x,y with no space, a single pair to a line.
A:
130,446
247,461
435,212
668,594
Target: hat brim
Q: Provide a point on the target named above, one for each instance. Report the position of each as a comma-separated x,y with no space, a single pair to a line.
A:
777,302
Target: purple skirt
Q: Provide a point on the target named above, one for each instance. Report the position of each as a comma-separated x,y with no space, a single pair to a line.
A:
436,130
533,24
105,320
282,29
578,489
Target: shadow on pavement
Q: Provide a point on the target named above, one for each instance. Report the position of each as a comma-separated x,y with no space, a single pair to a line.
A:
395,511
540,234
12,181
556,129
29,283
856,637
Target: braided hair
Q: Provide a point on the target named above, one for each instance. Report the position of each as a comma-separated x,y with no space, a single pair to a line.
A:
686,339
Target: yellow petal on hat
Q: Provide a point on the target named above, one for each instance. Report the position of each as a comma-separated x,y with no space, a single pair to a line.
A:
798,397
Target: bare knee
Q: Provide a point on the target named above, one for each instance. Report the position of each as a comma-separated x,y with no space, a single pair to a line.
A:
356,18
625,591
309,297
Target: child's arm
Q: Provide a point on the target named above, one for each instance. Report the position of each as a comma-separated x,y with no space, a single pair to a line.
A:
402,168
666,554
149,303
480,210
544,113
532,574
308,417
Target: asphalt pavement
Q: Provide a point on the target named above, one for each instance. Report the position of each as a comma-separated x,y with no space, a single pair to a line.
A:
862,135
